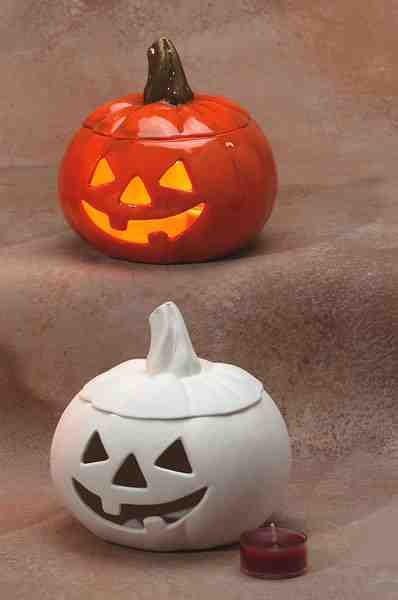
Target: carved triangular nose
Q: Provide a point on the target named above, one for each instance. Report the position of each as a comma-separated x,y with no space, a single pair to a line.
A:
136,194
130,474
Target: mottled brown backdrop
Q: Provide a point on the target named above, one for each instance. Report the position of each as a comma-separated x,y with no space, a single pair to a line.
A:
312,309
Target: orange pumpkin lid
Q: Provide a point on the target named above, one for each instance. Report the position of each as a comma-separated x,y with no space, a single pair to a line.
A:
167,109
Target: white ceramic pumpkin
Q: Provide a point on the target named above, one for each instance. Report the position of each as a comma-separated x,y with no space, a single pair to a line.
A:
171,452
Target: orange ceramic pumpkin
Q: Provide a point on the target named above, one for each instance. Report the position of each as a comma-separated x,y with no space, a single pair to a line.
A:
168,176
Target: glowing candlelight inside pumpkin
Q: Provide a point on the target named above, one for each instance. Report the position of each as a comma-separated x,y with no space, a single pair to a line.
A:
168,175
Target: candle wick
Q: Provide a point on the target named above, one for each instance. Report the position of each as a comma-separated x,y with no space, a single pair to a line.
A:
274,534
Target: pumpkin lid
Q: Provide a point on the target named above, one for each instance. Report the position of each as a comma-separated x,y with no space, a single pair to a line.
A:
167,109
172,382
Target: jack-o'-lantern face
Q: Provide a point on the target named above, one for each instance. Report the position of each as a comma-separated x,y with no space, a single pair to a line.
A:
135,194
130,475
174,178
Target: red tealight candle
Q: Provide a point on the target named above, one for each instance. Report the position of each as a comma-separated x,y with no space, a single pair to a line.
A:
273,552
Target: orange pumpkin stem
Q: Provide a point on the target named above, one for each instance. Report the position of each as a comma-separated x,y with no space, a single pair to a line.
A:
166,78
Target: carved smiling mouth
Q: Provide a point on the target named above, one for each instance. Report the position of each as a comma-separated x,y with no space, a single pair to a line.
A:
142,231
139,516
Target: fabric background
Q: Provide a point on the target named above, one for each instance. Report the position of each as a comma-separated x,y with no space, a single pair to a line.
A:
311,309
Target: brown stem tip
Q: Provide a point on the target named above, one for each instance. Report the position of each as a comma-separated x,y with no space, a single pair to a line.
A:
166,78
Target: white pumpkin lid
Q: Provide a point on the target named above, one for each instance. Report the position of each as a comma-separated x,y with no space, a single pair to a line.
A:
172,382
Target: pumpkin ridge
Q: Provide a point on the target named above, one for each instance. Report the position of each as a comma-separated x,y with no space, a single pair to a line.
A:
227,386
225,103
198,109
179,119
221,110
119,123
172,138
109,119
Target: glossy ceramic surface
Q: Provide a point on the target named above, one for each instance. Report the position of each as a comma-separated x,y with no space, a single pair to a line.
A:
226,157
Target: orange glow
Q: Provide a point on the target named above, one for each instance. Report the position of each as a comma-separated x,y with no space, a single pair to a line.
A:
136,193
176,178
138,230
102,174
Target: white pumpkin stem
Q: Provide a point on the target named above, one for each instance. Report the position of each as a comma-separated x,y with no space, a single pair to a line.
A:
171,347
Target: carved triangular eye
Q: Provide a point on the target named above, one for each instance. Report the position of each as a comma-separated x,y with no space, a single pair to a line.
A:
102,174
174,458
130,474
95,451
135,193
176,177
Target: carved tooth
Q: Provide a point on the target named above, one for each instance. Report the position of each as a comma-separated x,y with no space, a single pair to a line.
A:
178,514
118,222
134,524
110,506
154,524
158,239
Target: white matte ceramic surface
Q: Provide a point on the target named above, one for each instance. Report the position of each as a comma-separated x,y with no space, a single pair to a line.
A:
172,452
